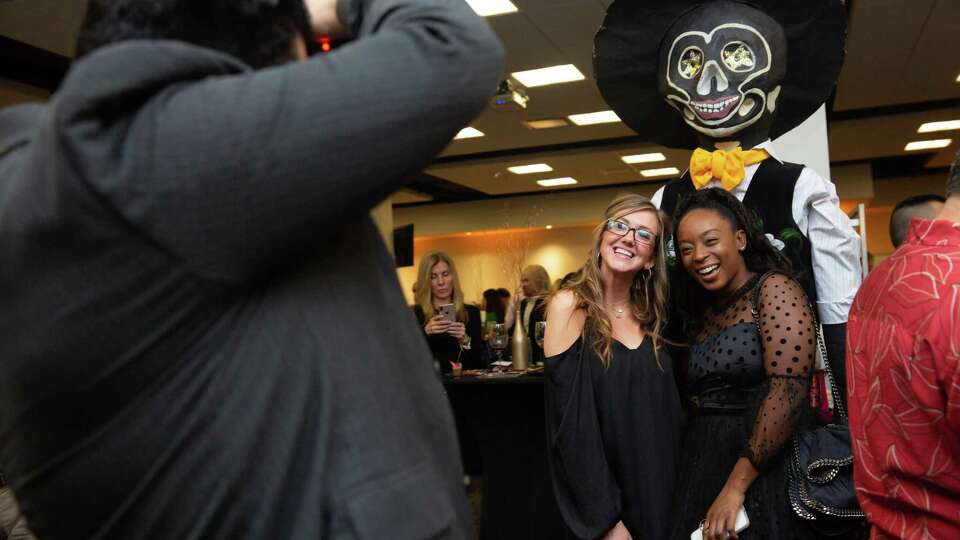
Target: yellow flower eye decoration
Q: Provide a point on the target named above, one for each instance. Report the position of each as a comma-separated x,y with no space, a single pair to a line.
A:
738,57
691,62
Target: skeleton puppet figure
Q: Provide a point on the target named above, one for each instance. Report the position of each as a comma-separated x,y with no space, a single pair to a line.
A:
724,78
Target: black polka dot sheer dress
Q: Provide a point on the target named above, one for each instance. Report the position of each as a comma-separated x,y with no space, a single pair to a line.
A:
748,377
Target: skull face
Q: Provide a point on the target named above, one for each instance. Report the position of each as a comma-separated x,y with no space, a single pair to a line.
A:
721,68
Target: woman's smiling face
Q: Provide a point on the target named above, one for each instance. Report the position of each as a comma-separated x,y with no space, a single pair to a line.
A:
711,250
631,252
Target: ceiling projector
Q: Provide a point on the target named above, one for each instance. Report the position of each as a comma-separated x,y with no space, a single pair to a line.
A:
510,97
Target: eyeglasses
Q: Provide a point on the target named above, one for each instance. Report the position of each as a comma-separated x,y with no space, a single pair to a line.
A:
619,228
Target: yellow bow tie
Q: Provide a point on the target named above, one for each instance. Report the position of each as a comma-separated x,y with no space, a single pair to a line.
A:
728,167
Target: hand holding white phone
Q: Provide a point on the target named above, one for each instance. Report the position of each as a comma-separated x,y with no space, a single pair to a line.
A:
742,523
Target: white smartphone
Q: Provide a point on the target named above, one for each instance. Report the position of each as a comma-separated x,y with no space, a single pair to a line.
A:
446,310
742,523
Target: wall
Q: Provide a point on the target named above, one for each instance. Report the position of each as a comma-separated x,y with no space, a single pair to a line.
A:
484,259
480,255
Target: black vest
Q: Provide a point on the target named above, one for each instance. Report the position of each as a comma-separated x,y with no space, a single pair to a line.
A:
769,199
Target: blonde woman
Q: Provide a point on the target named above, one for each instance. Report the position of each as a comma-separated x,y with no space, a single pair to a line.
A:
613,410
457,343
535,284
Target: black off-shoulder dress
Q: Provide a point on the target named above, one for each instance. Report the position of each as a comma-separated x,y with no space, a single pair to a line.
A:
613,436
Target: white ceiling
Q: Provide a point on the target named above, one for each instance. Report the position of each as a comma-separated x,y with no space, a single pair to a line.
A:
900,54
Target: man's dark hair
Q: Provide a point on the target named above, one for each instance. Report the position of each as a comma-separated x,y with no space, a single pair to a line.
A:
953,180
259,32
759,255
906,210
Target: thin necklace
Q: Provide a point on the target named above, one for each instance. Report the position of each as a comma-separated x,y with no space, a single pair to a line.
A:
618,311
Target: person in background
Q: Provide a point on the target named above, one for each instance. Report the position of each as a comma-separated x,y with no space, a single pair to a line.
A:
903,374
613,411
562,282
494,308
455,344
918,206
203,334
507,298
750,327
535,286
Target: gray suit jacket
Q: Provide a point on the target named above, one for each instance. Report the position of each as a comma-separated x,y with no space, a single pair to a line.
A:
202,333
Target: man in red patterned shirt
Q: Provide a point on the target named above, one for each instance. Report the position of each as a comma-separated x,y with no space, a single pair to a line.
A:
903,382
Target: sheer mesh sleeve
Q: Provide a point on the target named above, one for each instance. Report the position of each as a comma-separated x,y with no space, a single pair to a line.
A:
786,327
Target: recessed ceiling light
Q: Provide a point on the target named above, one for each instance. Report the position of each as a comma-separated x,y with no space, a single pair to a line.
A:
589,119
549,227
469,233
939,126
927,145
567,181
488,8
530,169
958,78
643,158
469,133
660,172
548,75
546,123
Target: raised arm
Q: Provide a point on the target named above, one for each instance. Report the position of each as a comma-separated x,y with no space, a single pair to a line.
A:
230,170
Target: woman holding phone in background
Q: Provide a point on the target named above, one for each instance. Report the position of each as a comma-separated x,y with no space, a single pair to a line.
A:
452,328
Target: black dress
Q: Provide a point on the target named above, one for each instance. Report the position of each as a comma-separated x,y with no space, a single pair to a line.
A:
613,436
749,387
446,348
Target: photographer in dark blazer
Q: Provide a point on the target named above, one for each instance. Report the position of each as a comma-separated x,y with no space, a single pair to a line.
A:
204,335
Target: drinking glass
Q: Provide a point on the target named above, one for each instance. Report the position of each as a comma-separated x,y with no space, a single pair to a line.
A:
538,331
498,342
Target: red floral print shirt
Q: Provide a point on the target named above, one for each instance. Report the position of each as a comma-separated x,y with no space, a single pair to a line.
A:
903,383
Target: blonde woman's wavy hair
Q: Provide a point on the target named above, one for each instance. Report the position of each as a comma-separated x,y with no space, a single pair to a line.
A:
423,294
648,294
540,279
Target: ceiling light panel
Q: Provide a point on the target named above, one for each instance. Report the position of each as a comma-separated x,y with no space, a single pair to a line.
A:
546,123
552,182
939,126
530,169
643,158
927,145
599,117
666,171
469,133
489,8
548,75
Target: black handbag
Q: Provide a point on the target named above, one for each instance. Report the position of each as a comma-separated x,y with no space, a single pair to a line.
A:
820,463
820,473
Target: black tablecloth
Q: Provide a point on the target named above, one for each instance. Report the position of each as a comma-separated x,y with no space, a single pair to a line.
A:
500,423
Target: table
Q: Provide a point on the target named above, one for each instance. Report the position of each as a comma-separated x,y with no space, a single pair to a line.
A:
501,427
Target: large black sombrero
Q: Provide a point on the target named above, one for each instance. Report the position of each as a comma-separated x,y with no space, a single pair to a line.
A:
626,57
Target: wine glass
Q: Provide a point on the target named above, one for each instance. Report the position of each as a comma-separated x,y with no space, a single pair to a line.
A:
498,342
538,331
